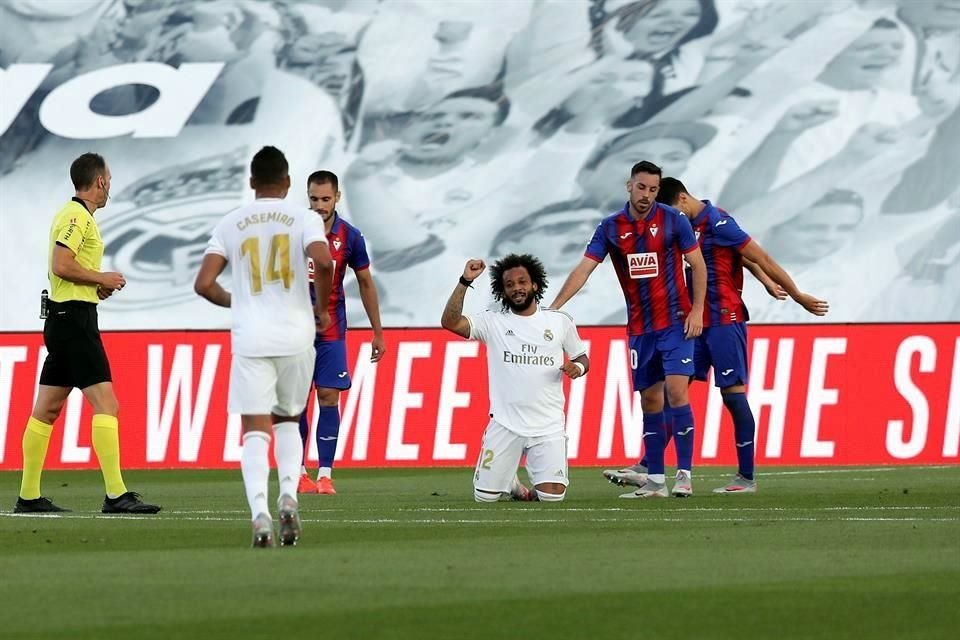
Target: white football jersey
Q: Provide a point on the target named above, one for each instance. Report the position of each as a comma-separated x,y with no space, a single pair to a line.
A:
265,243
524,356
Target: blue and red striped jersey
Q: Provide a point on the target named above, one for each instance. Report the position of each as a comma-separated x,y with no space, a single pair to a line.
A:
348,249
647,255
721,239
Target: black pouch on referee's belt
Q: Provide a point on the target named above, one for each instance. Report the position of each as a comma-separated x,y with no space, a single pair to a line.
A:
44,305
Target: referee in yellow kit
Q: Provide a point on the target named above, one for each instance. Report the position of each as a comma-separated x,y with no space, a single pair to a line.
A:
76,357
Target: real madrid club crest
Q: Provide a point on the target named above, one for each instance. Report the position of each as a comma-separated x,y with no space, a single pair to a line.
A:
547,335
162,224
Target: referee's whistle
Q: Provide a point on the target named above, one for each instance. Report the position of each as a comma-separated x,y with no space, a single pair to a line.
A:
44,299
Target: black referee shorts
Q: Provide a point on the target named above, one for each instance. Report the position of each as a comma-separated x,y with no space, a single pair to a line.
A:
75,354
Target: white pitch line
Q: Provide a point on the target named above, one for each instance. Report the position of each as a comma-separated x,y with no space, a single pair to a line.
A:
800,472
685,509
642,517
509,509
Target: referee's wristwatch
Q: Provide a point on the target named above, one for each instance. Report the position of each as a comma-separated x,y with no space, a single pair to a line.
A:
466,283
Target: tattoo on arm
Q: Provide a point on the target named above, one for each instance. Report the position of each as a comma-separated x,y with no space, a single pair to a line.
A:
452,318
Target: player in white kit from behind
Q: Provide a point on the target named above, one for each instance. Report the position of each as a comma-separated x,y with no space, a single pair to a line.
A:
267,242
525,364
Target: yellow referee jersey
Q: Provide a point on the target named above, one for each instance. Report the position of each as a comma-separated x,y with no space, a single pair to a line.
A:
75,228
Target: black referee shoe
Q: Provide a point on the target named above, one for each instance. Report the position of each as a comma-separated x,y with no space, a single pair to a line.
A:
129,502
37,505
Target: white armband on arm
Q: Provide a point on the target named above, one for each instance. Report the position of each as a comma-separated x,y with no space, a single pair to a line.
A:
583,369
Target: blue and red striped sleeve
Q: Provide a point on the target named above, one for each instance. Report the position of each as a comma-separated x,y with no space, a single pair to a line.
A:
727,233
359,260
597,248
685,236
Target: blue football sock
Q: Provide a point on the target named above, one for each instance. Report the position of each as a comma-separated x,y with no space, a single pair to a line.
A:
328,429
744,431
682,428
653,442
667,435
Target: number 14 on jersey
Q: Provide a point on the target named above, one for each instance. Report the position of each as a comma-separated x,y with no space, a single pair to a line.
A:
278,262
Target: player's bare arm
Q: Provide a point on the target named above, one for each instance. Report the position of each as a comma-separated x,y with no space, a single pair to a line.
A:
693,325
775,290
206,284
574,282
453,318
371,304
319,252
64,265
755,253
573,371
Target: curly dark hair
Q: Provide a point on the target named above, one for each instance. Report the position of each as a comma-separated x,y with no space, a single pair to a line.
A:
538,275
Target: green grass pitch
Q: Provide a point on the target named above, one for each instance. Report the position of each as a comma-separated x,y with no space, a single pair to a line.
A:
819,553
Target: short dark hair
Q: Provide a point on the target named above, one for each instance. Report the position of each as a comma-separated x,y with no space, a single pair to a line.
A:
269,167
538,275
491,93
670,190
85,169
324,177
645,166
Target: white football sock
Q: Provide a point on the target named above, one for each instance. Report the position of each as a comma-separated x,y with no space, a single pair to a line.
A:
325,472
659,478
255,467
550,497
288,450
484,496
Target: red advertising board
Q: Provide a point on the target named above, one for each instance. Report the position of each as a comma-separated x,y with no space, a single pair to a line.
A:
823,394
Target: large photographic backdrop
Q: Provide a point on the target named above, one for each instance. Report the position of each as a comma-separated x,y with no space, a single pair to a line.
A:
481,127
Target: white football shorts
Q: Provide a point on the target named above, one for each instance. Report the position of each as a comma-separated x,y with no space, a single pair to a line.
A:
279,385
500,455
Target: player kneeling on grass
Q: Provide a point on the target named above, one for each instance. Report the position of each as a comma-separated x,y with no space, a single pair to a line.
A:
525,366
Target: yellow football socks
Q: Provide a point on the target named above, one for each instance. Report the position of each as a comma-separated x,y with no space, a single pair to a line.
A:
36,437
106,443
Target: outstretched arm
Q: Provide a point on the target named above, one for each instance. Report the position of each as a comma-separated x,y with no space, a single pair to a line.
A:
775,290
575,281
754,252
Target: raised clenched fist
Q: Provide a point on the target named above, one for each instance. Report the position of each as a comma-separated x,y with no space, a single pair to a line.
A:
473,269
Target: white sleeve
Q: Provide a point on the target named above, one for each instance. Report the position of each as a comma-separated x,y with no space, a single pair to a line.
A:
314,230
572,344
479,326
216,244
